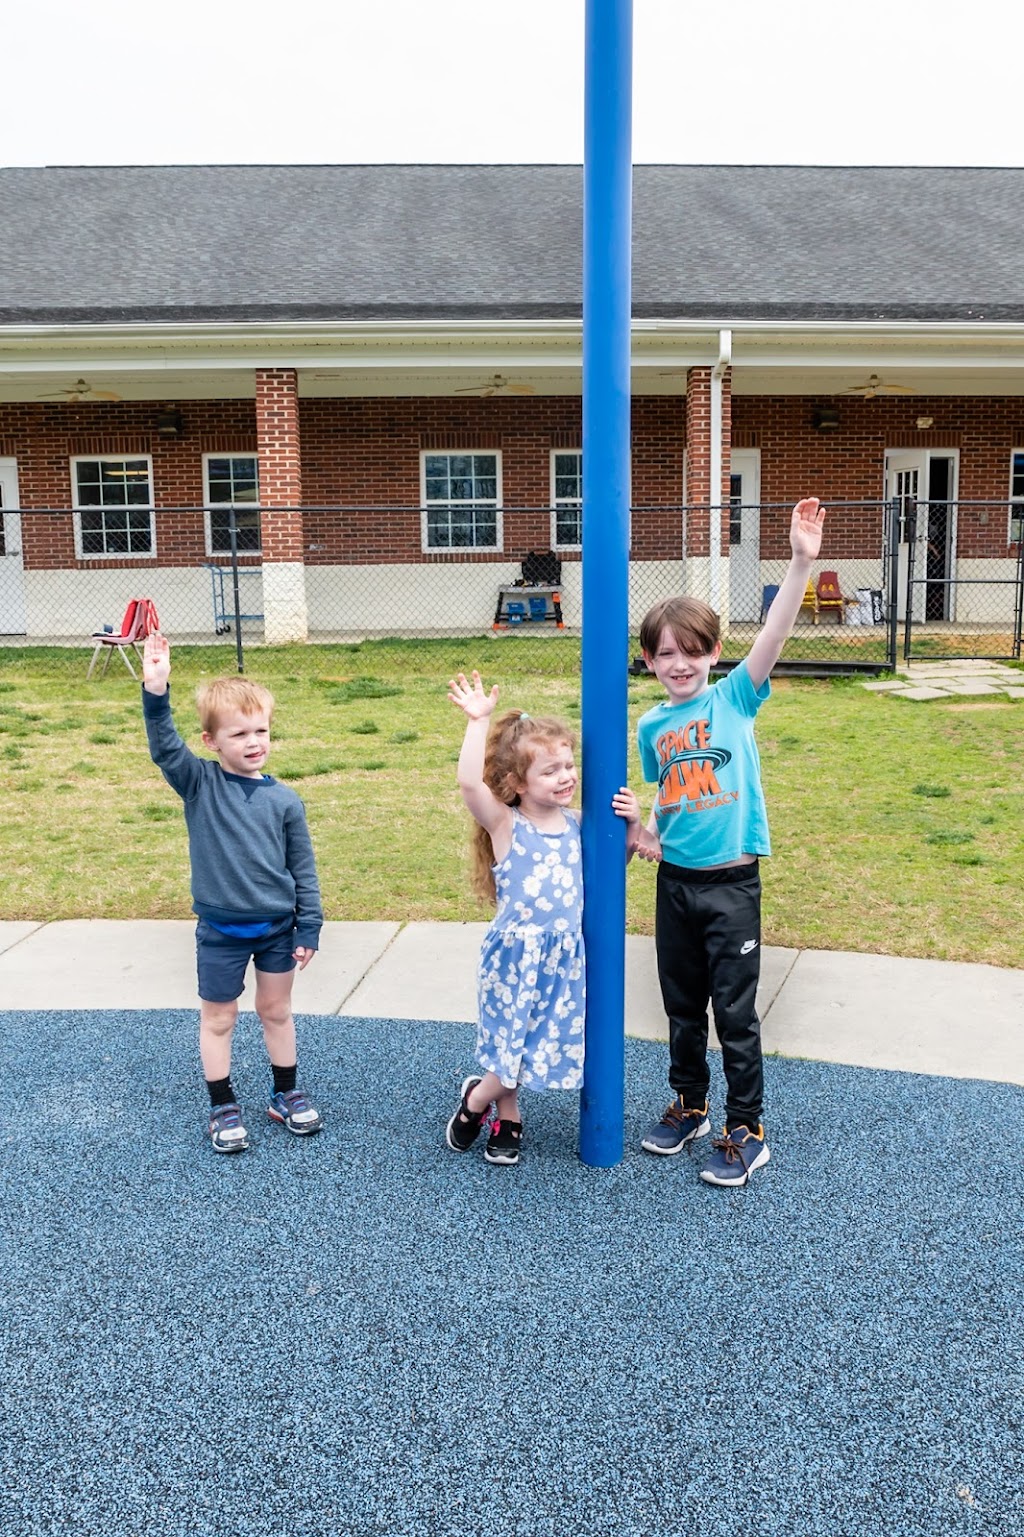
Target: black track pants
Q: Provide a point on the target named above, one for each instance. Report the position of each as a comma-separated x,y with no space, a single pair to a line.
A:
708,934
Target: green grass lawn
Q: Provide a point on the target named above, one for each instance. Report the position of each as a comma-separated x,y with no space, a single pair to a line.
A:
897,827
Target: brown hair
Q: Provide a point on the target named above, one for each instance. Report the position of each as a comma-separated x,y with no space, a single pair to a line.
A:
695,625
215,699
511,744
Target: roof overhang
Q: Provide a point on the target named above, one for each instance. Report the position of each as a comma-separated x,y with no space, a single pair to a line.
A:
217,360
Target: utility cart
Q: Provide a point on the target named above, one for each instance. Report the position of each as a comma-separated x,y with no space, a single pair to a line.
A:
223,588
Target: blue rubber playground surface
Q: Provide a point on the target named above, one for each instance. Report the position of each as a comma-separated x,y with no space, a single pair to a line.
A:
365,1333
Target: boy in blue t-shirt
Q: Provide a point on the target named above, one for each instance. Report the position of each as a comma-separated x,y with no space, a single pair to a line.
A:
707,832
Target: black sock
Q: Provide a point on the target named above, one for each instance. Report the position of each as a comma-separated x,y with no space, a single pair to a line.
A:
284,1078
221,1092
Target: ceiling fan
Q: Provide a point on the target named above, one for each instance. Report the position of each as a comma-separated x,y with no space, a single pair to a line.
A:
73,393
874,387
496,385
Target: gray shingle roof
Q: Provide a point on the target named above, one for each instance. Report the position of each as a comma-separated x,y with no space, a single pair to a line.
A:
192,243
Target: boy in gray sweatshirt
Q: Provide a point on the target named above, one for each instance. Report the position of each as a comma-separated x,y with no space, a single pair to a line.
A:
254,884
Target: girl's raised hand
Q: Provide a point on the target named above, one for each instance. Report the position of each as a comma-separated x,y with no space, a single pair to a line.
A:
805,528
470,696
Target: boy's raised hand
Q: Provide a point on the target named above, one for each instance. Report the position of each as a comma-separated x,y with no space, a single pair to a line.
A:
470,696
805,528
156,663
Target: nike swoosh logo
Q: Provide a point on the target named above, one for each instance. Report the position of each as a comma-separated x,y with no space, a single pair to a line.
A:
747,946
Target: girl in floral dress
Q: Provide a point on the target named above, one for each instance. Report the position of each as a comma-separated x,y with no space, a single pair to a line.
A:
518,777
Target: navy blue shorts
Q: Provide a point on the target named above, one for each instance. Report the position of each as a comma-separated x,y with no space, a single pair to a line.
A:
222,959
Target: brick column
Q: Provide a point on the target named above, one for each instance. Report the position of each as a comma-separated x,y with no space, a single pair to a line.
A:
280,461
698,444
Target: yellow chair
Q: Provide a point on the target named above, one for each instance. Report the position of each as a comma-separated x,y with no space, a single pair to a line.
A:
810,601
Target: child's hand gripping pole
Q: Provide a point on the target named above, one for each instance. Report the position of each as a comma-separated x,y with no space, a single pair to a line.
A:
640,840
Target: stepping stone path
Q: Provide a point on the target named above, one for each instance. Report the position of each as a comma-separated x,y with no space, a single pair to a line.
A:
952,679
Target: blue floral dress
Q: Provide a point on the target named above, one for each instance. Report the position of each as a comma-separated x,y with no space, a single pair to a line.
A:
531,983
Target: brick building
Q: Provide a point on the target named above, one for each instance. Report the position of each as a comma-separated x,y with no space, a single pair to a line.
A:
379,369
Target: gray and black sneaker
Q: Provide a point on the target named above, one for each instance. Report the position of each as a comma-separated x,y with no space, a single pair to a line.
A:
293,1109
227,1133
464,1127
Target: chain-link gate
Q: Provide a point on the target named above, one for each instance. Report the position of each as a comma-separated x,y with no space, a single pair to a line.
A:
953,604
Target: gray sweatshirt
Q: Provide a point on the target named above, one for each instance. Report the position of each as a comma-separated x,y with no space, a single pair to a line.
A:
252,858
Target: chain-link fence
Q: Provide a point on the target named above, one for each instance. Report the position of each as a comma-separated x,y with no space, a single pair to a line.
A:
737,563
213,584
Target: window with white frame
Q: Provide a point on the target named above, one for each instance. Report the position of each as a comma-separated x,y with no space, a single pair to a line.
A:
1016,531
231,483
113,501
567,499
461,496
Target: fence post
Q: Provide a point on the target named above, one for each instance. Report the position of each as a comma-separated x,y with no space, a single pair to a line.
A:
233,530
1018,606
909,532
892,584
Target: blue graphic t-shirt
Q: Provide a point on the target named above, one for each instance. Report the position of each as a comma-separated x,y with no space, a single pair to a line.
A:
703,758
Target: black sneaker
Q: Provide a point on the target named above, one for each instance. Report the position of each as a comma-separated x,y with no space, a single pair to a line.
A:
464,1126
503,1143
677,1128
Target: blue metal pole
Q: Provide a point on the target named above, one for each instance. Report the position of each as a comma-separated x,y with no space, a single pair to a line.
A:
607,209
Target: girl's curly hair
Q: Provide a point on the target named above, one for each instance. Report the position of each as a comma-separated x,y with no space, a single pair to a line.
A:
512,741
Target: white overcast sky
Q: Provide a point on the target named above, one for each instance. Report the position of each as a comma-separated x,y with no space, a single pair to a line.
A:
763,82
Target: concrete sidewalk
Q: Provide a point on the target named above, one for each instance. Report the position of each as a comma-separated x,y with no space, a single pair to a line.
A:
940,1017
952,678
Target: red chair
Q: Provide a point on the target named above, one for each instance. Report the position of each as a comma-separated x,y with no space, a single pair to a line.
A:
830,596
140,618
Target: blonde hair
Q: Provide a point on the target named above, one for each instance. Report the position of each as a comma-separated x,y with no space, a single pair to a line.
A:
512,742
220,696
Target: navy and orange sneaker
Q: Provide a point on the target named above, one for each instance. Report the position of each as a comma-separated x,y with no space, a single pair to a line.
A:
735,1156
677,1128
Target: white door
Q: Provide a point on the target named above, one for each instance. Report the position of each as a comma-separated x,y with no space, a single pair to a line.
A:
745,534
905,485
12,574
